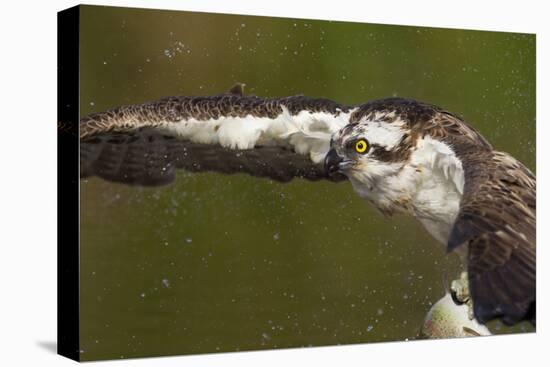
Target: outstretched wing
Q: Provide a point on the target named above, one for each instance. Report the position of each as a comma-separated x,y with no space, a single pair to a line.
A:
497,221
145,144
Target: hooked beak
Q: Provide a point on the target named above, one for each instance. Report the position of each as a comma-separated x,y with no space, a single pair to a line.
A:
335,164
332,161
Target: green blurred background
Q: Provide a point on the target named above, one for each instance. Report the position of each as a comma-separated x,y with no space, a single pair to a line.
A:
225,263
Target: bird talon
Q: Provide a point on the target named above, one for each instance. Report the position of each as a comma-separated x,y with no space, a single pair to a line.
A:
460,290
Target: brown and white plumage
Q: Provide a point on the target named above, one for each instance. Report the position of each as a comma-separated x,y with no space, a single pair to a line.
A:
496,218
421,160
144,144
497,222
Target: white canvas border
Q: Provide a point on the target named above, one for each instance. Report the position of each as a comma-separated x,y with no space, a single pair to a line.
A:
28,205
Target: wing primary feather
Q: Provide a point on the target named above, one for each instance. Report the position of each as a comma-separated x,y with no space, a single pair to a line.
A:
278,138
496,220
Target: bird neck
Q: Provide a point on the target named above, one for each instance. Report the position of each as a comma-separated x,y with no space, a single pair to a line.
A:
439,183
428,186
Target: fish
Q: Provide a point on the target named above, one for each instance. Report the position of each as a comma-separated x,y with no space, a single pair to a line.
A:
446,319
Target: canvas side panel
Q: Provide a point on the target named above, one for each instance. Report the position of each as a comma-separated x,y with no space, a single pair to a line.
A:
68,200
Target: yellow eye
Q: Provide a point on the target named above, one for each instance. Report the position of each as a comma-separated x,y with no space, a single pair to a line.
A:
361,146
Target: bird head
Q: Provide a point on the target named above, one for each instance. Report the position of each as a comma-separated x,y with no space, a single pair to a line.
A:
376,151
370,150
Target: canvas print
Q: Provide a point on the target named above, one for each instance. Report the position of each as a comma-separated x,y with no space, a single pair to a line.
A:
250,182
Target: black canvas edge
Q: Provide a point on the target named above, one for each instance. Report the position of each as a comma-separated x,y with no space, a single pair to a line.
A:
68,196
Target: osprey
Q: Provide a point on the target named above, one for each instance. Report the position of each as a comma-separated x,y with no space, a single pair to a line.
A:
401,155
